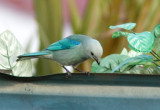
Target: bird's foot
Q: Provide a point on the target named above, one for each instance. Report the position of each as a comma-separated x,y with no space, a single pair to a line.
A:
87,73
68,74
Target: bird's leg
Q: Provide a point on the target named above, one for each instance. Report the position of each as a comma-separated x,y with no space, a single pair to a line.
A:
68,72
88,73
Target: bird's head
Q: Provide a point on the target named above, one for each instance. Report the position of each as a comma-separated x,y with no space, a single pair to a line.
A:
94,50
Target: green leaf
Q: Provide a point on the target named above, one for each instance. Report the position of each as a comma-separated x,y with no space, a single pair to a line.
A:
108,63
10,49
156,31
141,42
132,48
127,26
139,69
124,52
119,34
141,59
157,44
131,53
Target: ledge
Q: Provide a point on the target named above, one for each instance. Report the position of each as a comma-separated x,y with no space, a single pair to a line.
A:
92,79
97,91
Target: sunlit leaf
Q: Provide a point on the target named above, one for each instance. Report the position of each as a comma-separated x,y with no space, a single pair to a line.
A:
141,42
131,53
99,69
127,26
143,70
124,52
156,31
119,34
108,63
141,59
132,48
157,44
10,49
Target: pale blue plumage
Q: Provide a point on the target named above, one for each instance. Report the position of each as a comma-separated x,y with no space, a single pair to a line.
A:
70,51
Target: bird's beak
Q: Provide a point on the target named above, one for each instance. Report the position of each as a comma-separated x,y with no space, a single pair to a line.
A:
98,62
96,59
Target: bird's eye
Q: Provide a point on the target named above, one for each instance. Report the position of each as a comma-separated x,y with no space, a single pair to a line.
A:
92,53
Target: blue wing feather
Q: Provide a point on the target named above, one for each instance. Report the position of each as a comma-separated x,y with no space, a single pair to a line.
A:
65,43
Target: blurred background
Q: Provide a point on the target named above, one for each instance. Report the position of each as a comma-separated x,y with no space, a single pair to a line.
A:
38,23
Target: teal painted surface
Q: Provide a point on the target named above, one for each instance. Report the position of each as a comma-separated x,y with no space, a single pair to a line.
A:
51,102
80,92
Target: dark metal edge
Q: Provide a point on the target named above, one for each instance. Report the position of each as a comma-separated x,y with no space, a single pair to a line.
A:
93,78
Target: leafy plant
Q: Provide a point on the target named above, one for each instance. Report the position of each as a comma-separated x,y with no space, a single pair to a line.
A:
108,63
127,26
139,42
130,62
123,63
141,69
156,32
10,49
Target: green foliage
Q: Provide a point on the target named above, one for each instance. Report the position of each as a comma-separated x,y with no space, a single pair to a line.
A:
138,60
128,63
108,63
141,64
127,26
10,49
119,34
156,32
157,44
138,42
140,69
131,53
141,42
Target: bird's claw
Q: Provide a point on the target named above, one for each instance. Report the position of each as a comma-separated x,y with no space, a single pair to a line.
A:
88,73
68,75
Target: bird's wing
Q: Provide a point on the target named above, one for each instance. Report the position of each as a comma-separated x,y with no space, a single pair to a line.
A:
65,43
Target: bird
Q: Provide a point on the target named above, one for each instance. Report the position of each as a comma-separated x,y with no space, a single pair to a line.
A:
70,51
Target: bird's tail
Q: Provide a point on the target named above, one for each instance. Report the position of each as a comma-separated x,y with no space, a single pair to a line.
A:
32,55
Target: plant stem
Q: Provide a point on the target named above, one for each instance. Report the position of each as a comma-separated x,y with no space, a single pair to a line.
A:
132,31
155,63
156,56
156,60
155,53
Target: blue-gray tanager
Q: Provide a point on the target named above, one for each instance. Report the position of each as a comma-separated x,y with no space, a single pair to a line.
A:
70,51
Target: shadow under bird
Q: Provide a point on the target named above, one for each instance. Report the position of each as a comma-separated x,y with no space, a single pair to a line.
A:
70,51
